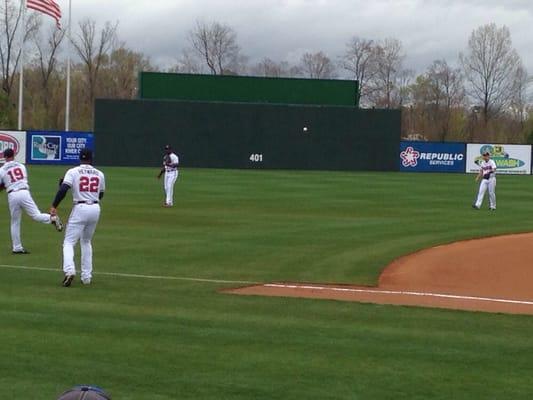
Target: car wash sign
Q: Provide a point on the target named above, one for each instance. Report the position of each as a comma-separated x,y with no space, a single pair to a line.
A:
432,157
509,158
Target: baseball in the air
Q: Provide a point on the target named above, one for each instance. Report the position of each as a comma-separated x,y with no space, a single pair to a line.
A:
305,129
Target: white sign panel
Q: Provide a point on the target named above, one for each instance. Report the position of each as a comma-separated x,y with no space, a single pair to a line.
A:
13,140
509,158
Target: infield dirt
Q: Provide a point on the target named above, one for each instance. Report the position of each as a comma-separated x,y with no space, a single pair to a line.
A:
492,275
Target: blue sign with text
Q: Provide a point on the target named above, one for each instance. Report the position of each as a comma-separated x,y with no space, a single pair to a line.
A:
57,148
432,157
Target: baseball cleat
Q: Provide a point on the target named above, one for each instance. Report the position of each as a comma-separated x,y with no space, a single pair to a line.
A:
492,209
23,251
86,281
56,221
67,281
475,207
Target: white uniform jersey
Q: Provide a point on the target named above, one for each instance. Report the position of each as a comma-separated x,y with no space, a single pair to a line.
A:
86,182
488,168
14,176
173,160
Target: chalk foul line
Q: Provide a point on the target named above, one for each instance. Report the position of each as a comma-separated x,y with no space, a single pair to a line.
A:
399,292
283,286
136,276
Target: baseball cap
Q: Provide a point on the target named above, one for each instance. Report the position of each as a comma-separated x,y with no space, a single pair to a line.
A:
168,147
85,392
8,153
86,155
486,153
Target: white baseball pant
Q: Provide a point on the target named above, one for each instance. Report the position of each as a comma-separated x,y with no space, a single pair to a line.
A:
490,185
80,227
170,180
18,201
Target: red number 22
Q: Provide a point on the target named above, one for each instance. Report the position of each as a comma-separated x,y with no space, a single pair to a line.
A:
89,184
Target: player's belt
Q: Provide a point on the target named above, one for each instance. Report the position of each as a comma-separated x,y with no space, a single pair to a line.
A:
85,202
16,190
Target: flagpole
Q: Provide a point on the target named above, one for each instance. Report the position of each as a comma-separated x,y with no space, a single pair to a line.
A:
69,51
21,74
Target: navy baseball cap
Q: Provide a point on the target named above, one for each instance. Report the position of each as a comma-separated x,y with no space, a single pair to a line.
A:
85,392
168,147
8,153
86,155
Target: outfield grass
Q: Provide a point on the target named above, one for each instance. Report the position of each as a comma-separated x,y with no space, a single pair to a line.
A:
161,339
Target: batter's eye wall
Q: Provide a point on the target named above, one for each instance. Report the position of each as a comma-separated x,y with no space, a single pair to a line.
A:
248,89
229,135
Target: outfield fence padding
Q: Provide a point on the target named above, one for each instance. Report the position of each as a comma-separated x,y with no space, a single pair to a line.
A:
236,135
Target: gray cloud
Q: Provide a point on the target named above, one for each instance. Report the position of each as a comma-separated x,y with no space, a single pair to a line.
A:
285,29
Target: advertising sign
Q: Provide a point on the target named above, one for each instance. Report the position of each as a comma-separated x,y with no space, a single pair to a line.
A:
59,148
13,140
510,159
432,157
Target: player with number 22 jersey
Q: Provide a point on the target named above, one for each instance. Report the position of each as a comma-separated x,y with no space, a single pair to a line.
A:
88,186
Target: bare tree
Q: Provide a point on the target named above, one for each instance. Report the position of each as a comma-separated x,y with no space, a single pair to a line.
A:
360,61
403,92
317,66
93,48
216,45
10,49
520,99
446,93
119,76
187,64
4,110
490,65
269,68
47,62
389,61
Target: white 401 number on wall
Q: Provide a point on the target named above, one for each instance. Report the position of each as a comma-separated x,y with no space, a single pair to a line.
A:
256,158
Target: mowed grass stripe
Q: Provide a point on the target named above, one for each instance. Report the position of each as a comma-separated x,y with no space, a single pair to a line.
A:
145,339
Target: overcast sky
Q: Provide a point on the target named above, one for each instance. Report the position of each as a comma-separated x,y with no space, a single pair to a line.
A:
285,29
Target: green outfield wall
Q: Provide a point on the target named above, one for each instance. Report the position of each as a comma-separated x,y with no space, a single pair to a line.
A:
230,135
244,89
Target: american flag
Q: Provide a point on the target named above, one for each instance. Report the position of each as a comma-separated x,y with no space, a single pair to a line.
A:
48,7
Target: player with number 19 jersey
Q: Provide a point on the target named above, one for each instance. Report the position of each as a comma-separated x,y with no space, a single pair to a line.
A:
14,179
14,176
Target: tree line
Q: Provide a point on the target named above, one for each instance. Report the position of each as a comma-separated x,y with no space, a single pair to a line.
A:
484,97
103,66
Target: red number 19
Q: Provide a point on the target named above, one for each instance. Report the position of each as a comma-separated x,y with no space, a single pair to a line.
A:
89,184
15,174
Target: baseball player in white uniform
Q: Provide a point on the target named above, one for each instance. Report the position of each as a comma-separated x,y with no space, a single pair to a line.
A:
14,179
170,169
487,174
88,186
